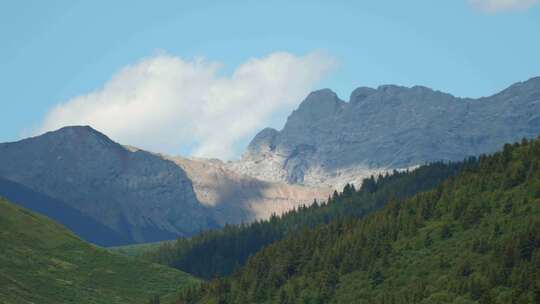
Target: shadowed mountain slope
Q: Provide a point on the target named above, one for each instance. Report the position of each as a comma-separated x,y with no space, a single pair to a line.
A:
137,194
82,225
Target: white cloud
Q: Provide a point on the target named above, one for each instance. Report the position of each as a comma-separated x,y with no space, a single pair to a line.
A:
165,103
495,6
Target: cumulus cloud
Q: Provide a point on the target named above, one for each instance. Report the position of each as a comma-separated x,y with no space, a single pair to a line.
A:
495,6
165,103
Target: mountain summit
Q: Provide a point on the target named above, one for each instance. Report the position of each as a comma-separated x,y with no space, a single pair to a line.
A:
135,193
327,140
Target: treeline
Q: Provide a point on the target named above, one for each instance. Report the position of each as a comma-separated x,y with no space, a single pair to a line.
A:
473,239
220,252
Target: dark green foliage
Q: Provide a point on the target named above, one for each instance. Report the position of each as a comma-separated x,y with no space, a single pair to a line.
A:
458,243
154,300
376,278
220,252
446,231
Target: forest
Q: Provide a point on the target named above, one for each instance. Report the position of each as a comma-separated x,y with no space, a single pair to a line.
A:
474,238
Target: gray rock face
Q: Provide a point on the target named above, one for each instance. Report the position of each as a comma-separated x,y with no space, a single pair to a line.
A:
236,198
329,141
137,194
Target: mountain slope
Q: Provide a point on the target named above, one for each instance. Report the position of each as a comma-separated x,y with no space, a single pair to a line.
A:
329,141
82,225
137,194
474,239
42,262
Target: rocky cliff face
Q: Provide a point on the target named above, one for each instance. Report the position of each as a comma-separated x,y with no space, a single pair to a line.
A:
329,141
236,198
137,194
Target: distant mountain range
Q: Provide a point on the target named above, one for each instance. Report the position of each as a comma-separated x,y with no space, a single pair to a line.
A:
330,141
112,194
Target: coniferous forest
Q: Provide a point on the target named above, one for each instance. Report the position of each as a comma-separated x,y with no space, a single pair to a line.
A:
474,238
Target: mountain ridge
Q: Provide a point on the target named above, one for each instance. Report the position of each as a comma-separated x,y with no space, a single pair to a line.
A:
325,144
329,141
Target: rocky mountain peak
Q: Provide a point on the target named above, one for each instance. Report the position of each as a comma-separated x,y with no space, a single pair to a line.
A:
319,103
76,131
124,190
391,89
394,96
529,89
327,140
263,141
72,138
360,94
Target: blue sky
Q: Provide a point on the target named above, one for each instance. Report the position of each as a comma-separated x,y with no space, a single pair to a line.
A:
54,51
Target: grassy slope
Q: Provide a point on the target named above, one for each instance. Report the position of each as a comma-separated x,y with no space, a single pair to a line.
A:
42,262
137,249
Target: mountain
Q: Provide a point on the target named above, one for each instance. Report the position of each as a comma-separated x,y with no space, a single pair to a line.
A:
473,239
329,141
325,144
137,194
42,262
111,194
82,225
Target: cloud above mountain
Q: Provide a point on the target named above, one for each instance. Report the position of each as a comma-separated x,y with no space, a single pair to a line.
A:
169,104
495,6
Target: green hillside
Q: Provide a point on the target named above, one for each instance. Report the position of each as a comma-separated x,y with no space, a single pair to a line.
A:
136,250
42,262
473,239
